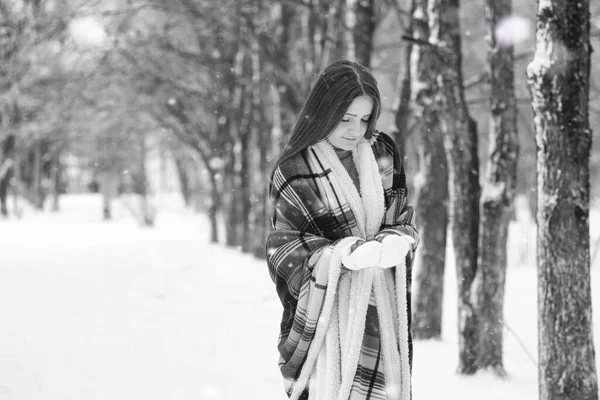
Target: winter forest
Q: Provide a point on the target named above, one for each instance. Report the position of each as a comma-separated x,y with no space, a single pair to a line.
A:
136,142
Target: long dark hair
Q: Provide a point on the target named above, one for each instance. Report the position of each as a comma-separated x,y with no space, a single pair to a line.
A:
333,92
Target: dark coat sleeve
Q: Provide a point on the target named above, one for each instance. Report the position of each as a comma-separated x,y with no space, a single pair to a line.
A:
294,245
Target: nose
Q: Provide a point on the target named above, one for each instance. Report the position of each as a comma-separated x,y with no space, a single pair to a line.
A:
355,128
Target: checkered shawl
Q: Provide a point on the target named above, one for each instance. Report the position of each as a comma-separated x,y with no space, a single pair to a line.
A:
303,225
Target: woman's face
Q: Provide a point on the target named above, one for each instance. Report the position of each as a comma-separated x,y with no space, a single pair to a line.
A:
353,125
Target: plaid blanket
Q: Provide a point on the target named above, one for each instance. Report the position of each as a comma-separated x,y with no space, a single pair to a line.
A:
305,226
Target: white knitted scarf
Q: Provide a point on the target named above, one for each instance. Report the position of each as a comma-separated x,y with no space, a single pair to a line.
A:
333,356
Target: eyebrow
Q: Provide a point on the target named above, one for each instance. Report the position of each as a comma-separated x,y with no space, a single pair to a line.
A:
354,115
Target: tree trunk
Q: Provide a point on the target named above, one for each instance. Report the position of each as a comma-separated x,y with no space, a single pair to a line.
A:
309,26
56,173
334,35
201,196
432,216
246,173
402,102
350,25
431,183
17,187
558,79
232,199
109,182
147,212
498,193
183,175
261,135
5,177
460,142
36,186
213,209
286,43
360,22
7,167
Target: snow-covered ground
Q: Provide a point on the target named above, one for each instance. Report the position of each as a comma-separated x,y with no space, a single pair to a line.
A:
96,310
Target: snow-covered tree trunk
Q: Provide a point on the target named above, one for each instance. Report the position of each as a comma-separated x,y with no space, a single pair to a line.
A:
431,183
558,79
498,191
460,142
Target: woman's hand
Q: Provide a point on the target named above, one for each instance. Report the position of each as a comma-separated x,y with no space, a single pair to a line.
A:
389,252
394,250
360,242
356,244
363,254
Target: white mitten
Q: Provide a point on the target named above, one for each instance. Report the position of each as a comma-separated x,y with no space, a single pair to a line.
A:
394,249
366,255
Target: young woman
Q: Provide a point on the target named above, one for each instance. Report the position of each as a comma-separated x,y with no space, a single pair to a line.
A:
340,247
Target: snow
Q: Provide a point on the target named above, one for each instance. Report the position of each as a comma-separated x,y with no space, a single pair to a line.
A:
512,30
111,310
87,31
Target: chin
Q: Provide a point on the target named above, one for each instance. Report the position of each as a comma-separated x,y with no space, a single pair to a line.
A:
344,147
344,144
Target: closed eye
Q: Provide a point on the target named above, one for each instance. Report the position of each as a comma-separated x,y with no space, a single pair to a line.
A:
363,120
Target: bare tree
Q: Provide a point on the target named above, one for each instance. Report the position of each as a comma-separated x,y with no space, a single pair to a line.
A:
431,181
460,142
498,191
558,79
402,102
361,21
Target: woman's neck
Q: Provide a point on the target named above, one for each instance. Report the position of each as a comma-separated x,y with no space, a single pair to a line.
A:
341,153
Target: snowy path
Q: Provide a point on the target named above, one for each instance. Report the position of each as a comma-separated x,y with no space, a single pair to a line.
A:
111,311
92,310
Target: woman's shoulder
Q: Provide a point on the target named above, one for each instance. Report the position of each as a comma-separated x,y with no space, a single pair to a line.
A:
383,144
294,167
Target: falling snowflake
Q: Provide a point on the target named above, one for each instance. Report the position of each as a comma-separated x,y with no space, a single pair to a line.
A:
385,162
512,30
87,31
216,163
